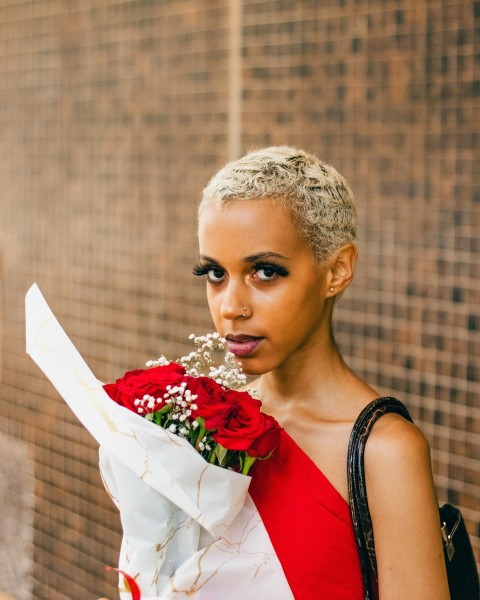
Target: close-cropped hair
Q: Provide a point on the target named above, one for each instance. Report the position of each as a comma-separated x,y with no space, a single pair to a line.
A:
319,198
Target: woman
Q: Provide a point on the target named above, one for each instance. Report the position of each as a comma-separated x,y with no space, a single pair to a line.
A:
277,248
276,235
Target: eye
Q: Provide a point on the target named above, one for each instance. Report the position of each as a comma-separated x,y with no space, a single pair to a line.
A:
266,273
214,273
269,272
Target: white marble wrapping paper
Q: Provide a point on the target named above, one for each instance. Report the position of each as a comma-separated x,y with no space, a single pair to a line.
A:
190,529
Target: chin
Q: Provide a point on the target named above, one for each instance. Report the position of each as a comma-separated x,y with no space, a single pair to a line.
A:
252,367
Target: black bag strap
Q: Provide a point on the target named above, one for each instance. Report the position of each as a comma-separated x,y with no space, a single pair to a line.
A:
357,492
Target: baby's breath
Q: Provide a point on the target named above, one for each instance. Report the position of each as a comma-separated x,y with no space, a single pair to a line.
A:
181,403
147,404
162,361
200,362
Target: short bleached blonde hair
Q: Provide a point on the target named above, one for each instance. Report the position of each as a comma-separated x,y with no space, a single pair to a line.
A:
321,203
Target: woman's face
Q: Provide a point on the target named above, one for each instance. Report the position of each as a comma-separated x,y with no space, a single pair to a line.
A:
253,257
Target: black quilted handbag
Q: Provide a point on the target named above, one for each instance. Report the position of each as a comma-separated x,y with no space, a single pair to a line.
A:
460,562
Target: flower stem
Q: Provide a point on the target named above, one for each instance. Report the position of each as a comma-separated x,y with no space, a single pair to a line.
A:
201,432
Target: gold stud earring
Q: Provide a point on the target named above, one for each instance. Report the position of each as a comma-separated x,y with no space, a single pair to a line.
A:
331,290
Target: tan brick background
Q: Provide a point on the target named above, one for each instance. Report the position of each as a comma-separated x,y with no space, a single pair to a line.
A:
16,516
113,115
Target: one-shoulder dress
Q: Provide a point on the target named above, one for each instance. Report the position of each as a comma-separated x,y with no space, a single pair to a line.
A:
309,525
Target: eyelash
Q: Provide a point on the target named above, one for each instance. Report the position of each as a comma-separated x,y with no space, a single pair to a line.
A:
200,270
279,270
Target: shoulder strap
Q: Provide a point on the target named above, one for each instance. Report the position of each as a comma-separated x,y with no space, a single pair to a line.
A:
357,491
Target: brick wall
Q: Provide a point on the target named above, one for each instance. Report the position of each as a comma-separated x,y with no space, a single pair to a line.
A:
113,116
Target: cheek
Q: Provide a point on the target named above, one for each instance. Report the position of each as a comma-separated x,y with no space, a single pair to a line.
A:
302,311
214,303
283,303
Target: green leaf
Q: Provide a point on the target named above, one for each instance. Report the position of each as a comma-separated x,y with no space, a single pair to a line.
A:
221,454
247,463
160,416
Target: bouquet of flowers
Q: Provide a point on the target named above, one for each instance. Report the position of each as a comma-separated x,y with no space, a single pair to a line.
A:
190,529
225,426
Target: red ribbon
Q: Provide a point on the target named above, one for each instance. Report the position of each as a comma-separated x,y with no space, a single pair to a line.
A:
130,583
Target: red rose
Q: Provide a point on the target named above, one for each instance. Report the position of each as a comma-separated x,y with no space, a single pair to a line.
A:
211,399
242,426
268,440
135,384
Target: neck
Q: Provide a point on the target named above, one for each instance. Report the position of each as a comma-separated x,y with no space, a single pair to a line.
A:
316,382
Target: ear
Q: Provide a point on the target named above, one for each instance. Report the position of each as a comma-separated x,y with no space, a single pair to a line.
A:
340,269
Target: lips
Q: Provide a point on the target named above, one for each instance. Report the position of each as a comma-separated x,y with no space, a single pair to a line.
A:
243,345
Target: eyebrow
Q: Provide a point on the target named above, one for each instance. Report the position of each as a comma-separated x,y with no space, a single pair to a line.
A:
263,256
249,259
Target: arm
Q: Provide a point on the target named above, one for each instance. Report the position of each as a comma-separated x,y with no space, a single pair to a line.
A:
404,511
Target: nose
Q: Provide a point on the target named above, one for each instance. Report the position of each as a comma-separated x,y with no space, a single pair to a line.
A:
233,300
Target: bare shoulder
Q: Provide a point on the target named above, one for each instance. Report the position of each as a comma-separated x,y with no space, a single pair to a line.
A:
396,441
398,472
